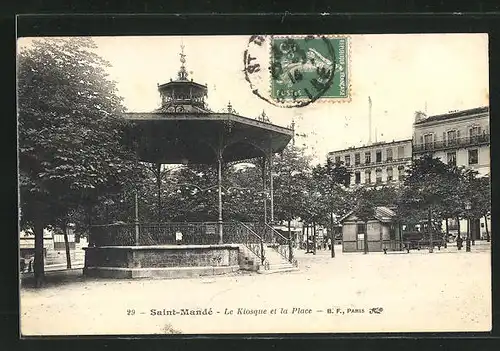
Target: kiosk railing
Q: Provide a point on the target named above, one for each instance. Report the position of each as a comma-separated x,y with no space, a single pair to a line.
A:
184,233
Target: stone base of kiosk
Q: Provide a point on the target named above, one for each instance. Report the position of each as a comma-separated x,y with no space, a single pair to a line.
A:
169,261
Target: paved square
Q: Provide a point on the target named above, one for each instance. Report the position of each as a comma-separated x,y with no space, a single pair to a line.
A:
444,291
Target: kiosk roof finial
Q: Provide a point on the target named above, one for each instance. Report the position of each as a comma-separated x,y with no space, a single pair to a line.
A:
182,72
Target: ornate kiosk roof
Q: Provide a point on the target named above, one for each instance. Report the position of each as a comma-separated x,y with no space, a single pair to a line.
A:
184,130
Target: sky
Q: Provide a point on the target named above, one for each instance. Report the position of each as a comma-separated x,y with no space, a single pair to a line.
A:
402,73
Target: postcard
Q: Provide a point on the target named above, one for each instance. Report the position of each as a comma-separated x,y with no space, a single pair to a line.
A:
254,184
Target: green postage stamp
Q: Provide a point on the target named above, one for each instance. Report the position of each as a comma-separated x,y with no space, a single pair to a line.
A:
301,69
309,68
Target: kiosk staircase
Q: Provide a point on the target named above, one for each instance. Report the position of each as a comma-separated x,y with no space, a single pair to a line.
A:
277,254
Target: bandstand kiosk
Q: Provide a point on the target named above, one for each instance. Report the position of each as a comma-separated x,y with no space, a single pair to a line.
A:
185,131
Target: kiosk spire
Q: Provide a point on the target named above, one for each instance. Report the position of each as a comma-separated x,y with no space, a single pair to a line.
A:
182,72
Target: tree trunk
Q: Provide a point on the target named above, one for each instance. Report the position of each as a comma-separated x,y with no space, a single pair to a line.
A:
400,235
66,246
91,238
290,251
332,236
307,237
473,232
486,227
447,234
365,239
314,238
303,233
39,254
467,238
429,229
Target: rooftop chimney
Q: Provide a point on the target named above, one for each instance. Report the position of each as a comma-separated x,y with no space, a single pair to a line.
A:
419,116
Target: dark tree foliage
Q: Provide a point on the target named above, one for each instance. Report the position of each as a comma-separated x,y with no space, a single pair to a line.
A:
429,184
292,174
331,181
71,134
244,193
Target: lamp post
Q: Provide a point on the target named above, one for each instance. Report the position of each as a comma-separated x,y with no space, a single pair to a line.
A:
468,207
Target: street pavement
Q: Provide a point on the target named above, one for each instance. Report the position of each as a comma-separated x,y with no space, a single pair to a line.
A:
447,290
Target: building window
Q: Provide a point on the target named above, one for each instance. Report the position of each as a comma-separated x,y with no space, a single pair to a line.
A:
378,176
347,160
368,177
401,173
451,137
473,157
401,152
357,177
337,159
474,134
378,156
451,158
357,158
389,154
389,174
368,157
474,131
428,141
360,228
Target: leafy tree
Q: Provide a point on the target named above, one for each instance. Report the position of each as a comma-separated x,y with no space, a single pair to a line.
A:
482,201
243,192
477,190
425,192
291,170
385,195
190,194
452,205
71,135
331,181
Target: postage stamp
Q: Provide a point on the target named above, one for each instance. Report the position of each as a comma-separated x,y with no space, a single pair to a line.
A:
299,69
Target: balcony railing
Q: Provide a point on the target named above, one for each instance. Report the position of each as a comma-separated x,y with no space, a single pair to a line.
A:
452,144
381,163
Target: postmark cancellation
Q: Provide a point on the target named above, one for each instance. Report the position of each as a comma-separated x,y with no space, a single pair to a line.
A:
297,70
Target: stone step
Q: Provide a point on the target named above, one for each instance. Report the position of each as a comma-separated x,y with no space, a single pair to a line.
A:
273,257
281,266
63,253
279,270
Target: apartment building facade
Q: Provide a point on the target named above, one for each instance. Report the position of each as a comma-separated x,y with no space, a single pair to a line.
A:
460,138
382,163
